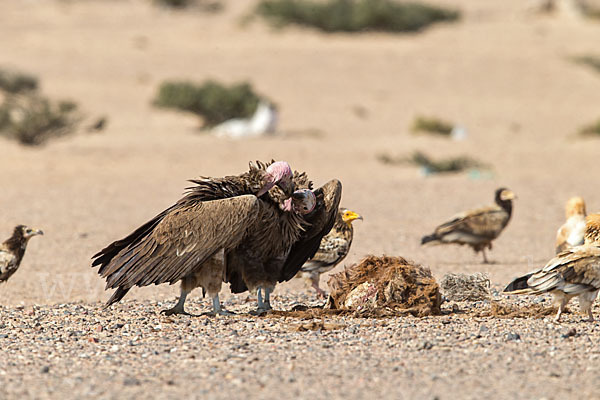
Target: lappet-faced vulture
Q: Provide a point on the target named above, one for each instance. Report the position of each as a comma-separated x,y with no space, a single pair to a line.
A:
260,263
187,241
476,228
13,250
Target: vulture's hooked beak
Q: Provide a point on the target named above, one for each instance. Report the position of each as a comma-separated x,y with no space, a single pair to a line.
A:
30,232
507,195
304,201
350,216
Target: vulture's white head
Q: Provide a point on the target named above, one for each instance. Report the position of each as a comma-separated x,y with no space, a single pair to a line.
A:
279,173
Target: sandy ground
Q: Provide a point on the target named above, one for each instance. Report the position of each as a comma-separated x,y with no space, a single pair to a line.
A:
501,72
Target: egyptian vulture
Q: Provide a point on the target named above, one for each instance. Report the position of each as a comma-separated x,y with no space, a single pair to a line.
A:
13,250
476,228
250,267
188,241
572,232
574,272
334,247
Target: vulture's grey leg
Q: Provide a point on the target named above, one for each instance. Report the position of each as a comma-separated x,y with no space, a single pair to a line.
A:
268,292
263,306
217,309
178,309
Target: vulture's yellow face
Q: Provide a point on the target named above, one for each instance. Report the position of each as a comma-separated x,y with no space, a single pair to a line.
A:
507,195
348,216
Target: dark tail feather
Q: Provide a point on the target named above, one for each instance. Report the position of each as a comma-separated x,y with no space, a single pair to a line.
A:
428,238
519,284
117,296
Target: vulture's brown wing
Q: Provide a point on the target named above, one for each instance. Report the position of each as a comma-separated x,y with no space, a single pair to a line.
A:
321,221
485,222
183,239
572,271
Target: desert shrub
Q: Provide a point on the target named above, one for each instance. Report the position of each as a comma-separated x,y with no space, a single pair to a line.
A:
174,3
17,82
431,125
431,166
591,129
592,62
34,119
204,5
211,100
354,15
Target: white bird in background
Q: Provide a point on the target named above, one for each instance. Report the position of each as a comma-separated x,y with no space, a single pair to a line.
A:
264,121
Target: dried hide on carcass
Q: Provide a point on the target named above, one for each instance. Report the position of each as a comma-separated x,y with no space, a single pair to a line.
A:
385,286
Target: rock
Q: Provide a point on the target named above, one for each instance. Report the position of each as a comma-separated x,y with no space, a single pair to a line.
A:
464,287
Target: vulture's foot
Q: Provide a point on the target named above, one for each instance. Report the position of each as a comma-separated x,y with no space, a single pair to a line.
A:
175,311
260,311
219,312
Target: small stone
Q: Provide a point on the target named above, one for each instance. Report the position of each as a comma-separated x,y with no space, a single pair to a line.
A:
426,345
513,336
571,332
45,369
131,382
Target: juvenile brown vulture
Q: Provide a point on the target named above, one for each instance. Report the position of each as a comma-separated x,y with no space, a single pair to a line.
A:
13,250
187,241
572,232
476,228
574,272
334,247
258,265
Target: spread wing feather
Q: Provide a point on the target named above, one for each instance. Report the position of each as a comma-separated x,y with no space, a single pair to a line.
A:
182,239
321,221
572,271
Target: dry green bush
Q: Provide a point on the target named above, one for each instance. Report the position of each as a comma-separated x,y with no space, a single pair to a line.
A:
213,101
592,129
592,62
431,125
17,82
33,119
431,166
354,15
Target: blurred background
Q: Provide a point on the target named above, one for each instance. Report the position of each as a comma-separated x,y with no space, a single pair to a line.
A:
422,110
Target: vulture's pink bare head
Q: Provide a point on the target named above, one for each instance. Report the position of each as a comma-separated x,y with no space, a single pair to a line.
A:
279,173
302,202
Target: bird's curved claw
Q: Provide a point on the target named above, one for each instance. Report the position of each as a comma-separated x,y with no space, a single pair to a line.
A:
260,311
175,311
